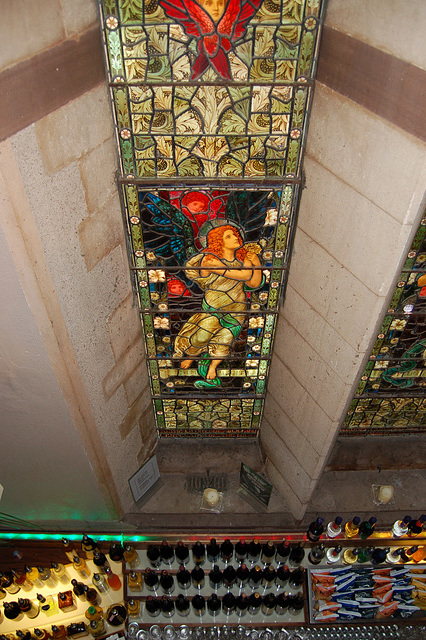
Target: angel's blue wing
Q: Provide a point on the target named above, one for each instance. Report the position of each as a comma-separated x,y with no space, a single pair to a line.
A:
248,208
167,232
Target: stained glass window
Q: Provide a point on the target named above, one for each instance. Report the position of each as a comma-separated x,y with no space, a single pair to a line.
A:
390,397
211,103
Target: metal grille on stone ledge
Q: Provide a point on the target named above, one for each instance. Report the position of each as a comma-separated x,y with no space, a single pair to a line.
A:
211,102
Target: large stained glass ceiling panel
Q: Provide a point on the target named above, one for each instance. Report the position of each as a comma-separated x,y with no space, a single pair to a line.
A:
211,102
390,398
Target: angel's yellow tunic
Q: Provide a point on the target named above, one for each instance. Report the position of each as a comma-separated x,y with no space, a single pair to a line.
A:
214,329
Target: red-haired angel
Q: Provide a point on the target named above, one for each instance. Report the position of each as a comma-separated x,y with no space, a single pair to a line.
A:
216,24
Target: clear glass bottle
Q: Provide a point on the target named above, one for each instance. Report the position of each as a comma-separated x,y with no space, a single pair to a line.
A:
100,583
334,528
59,572
81,567
21,580
29,607
47,577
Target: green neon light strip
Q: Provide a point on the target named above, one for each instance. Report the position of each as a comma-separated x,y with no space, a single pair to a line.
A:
75,536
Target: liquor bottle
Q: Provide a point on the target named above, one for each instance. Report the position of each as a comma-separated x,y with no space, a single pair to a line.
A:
352,527
281,605
167,583
116,615
69,549
88,545
182,605
334,554
241,604
29,608
12,611
116,552
334,528
199,604
81,567
283,574
8,584
268,552
407,552
350,556
198,553
415,527
153,555
228,603
394,556
167,553
91,595
96,628
296,555
229,576
268,604
183,577
316,554
21,580
197,576
283,551
366,528
268,576
255,602
215,577
151,579
227,550
364,554
167,607
100,561
315,530
23,635
134,581
76,630
2,595
59,632
130,555
400,527
113,580
47,577
78,589
100,583
254,550
296,578
48,605
60,573
419,555
379,555
213,605
241,549
182,553
295,604
94,612
152,607
41,634
242,575
255,577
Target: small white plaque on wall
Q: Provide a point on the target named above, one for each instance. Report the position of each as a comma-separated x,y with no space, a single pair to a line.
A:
144,478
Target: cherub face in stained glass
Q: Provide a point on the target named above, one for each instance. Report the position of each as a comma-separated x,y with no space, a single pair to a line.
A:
216,25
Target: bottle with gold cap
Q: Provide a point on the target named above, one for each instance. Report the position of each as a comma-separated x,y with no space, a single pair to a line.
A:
133,607
96,628
134,581
131,556
94,612
81,567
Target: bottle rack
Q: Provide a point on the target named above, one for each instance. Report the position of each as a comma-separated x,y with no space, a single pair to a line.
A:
45,622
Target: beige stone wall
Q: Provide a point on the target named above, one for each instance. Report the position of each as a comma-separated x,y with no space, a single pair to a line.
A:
362,203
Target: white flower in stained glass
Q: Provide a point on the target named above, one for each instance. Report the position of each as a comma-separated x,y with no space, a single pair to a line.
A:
263,296
142,283
398,325
246,385
251,338
161,323
150,255
162,307
155,296
156,275
256,347
256,323
111,22
267,255
271,217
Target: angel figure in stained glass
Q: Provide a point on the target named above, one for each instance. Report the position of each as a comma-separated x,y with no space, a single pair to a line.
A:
215,265
216,25
224,271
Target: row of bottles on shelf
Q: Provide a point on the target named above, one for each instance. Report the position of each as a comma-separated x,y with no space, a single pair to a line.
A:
373,555
95,625
14,581
407,526
227,604
255,577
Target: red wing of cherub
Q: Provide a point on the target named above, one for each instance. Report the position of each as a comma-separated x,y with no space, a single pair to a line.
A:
214,40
